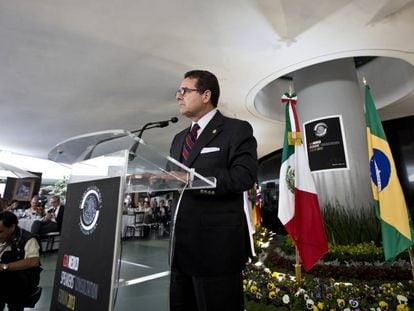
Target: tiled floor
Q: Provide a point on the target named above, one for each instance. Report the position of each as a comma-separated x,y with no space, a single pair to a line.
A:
140,258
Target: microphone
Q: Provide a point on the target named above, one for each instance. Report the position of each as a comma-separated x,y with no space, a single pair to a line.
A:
149,125
159,124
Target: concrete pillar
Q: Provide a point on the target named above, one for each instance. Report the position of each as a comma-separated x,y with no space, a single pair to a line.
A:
327,89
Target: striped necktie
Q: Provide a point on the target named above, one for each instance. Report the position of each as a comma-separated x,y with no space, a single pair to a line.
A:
189,142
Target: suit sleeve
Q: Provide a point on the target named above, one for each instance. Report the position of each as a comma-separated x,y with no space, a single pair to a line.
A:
239,170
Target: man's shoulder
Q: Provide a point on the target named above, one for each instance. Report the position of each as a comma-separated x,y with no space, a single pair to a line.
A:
236,123
234,120
21,236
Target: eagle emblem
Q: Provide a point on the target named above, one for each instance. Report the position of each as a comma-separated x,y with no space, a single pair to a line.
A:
290,178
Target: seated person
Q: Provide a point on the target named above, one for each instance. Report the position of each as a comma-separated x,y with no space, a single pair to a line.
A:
53,219
19,263
14,205
35,208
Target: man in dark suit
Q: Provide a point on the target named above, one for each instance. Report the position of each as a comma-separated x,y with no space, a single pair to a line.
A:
53,219
211,243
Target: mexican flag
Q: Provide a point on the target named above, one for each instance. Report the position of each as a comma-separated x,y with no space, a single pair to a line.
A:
299,208
389,201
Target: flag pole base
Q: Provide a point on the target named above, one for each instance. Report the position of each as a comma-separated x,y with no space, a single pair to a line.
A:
298,272
298,266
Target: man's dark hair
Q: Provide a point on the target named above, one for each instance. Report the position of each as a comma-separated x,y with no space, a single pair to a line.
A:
8,219
206,81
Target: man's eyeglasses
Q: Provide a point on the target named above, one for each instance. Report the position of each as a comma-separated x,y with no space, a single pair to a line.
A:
184,90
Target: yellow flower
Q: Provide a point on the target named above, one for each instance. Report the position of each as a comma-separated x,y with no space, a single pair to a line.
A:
320,305
340,302
272,295
253,289
270,286
383,305
402,307
245,282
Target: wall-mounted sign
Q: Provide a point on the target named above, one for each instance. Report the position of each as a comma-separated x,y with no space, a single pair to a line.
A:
325,144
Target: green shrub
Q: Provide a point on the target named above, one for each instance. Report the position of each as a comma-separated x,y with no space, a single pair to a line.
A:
344,226
361,252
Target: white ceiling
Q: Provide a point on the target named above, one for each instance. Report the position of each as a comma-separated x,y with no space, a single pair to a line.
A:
78,66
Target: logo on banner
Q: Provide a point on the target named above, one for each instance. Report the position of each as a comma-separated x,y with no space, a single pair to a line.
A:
91,204
320,129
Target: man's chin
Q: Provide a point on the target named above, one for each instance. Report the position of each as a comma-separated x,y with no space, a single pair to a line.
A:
185,113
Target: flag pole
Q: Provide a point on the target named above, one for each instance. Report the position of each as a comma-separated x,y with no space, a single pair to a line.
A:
298,266
411,254
290,88
364,81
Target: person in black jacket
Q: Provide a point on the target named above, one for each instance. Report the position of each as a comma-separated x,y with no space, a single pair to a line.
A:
19,264
53,219
211,243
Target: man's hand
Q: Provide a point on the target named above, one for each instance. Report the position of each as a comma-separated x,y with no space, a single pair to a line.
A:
49,216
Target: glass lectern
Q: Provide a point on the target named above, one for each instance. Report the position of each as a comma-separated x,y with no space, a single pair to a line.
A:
95,270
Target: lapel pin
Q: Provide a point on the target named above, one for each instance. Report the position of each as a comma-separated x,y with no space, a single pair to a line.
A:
214,131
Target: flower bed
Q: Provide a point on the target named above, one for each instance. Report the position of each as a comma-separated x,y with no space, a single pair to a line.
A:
282,292
269,290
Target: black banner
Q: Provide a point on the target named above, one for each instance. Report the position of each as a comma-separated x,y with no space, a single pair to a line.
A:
325,144
83,279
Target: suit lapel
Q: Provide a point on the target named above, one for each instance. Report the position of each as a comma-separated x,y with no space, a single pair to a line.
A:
213,128
178,144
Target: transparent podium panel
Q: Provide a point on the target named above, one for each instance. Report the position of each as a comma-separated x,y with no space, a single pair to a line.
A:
131,256
109,165
82,147
148,170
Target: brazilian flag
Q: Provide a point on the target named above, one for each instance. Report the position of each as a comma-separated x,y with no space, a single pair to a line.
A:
390,206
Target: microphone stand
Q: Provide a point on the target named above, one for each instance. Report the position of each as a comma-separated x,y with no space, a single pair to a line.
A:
133,149
151,125
89,154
